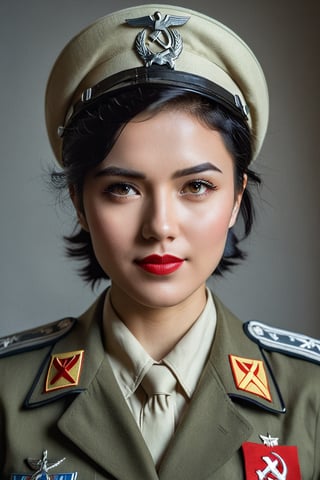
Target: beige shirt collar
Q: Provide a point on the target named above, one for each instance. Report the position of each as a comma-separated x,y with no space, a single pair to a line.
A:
130,361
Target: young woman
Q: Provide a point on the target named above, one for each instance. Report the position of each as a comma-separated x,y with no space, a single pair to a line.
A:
159,112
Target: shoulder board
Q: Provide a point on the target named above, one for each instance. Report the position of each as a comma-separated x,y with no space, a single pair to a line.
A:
36,337
284,341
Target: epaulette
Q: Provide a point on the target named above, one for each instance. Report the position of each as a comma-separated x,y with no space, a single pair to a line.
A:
35,338
284,341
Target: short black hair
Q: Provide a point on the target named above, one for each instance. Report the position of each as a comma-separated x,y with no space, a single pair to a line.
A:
91,134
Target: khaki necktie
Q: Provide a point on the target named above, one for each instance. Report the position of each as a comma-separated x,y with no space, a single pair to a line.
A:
157,416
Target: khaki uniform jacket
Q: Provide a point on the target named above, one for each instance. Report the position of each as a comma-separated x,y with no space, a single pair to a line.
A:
91,426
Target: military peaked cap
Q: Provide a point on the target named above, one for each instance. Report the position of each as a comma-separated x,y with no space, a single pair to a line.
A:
160,45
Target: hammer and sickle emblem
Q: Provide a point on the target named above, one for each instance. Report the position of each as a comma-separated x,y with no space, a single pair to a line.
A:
168,40
272,467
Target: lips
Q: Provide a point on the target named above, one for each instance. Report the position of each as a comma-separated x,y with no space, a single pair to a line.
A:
160,265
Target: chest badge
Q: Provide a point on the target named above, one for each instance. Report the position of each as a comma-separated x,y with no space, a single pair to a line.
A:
269,441
64,370
41,468
250,376
271,461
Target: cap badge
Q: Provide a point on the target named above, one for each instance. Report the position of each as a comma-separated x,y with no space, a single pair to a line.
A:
64,370
250,376
168,42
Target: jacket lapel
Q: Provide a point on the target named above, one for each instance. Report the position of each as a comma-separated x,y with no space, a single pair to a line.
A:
101,425
98,420
213,428
211,432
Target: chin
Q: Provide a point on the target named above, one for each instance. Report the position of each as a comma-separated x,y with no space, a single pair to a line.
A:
166,296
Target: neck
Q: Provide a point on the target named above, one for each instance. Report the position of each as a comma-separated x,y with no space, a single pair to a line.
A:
158,329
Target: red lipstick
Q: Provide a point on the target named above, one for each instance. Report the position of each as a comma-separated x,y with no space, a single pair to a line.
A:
160,265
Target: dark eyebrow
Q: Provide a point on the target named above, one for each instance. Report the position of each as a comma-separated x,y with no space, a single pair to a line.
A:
202,167
128,173
119,172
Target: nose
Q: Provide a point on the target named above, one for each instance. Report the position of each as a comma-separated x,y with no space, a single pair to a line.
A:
160,220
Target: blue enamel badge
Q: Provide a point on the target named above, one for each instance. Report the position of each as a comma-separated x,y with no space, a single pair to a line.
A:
44,476
41,468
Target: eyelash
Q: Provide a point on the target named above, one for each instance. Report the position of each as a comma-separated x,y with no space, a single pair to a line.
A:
112,189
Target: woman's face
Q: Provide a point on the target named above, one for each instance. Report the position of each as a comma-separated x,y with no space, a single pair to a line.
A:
159,207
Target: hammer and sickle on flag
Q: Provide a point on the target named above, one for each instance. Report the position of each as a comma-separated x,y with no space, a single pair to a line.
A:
273,467
271,463
64,370
250,376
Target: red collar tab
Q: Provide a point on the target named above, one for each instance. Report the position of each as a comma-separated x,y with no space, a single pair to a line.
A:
266,463
250,376
64,370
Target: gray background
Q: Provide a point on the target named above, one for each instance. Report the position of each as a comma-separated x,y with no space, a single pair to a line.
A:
279,282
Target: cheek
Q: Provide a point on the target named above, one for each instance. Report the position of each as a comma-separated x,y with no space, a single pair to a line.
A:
103,230
214,220
110,230
217,227
207,242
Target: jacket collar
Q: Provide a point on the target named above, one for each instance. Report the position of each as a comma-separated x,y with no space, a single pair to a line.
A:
86,336
213,422
230,340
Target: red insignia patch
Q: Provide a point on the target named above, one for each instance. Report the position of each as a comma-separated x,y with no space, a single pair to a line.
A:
271,463
64,370
250,376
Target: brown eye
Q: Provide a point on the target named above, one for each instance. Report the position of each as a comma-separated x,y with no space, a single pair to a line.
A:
121,190
197,187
